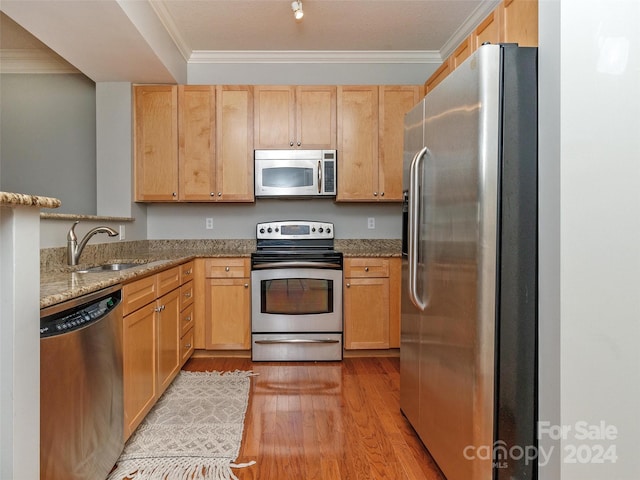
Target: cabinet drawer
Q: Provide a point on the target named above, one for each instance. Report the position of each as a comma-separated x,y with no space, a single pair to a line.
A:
186,295
138,294
186,319
366,267
227,268
186,346
186,272
168,280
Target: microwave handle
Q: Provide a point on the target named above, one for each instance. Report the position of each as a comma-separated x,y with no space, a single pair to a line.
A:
319,176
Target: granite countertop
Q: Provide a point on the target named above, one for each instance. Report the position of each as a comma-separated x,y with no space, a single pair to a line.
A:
59,282
18,199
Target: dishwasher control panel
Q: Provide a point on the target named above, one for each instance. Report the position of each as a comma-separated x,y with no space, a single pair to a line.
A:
79,317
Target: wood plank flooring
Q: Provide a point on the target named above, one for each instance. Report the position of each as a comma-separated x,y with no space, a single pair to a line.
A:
326,421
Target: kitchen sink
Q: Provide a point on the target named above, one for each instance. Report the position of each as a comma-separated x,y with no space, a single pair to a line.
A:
110,267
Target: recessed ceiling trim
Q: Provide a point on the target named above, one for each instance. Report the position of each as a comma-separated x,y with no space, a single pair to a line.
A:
470,24
33,61
259,56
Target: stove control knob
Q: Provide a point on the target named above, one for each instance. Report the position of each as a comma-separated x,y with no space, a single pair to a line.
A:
277,229
328,230
313,229
321,230
269,230
262,230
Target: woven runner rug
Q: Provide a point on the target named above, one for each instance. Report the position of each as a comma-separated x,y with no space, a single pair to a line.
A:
192,433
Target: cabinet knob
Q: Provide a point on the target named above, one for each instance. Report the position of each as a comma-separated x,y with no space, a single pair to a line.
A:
382,194
246,285
375,194
219,194
226,269
174,194
366,269
299,143
188,345
188,272
212,194
187,295
188,319
348,285
291,144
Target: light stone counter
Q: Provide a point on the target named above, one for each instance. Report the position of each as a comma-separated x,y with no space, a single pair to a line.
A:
17,199
59,282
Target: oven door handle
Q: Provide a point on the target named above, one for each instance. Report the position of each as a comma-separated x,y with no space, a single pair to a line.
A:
295,340
260,266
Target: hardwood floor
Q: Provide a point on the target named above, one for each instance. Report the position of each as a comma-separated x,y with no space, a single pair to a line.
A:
326,421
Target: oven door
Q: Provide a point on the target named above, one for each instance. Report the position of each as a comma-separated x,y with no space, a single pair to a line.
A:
300,300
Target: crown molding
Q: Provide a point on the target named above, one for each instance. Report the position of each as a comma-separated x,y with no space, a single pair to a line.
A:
33,61
161,10
469,25
334,56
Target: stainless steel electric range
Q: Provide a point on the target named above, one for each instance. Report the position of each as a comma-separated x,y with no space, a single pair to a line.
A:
296,299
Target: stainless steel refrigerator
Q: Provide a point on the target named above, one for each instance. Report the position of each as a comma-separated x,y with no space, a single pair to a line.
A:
468,355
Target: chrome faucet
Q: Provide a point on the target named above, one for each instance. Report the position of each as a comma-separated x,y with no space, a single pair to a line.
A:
74,249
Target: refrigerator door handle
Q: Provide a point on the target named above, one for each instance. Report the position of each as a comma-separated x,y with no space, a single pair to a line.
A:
414,227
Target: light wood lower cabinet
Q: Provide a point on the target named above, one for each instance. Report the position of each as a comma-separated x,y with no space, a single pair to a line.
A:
227,304
371,303
153,331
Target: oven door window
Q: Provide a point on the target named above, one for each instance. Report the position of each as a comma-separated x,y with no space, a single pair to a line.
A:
287,177
296,296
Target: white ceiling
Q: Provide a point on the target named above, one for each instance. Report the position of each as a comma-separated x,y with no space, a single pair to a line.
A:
155,40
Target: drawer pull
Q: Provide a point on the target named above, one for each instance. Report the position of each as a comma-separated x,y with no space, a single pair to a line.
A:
366,269
187,295
187,272
188,345
188,319
226,269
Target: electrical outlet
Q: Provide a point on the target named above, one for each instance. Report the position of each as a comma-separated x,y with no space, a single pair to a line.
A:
122,235
371,223
209,223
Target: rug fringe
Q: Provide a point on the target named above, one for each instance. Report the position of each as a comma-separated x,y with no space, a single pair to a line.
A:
177,469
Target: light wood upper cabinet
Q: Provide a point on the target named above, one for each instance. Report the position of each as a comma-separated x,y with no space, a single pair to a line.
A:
370,141
234,155
213,142
489,30
295,117
357,142
520,22
512,21
197,139
156,142
395,102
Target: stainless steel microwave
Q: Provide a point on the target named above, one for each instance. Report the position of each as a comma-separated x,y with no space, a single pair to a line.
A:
295,173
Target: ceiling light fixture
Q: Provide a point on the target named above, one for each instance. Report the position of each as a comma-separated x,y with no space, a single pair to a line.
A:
297,9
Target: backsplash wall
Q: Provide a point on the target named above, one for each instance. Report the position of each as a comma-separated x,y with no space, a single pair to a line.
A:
231,221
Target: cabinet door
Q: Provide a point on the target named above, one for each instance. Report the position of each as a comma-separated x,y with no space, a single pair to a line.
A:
169,354
366,313
462,52
490,29
227,314
196,152
357,143
156,142
234,157
316,117
520,22
440,74
274,110
139,365
395,101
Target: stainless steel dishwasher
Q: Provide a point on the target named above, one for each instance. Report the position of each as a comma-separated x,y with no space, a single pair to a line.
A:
81,403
